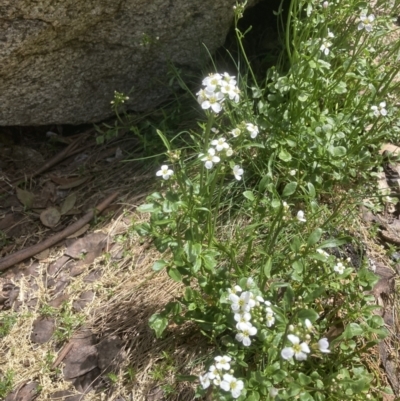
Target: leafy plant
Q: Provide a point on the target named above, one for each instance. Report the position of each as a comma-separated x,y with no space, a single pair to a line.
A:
241,219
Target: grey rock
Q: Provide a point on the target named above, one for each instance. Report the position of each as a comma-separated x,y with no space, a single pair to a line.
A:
61,60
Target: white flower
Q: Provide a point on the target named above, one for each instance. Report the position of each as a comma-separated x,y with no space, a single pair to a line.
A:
213,372
300,216
205,381
273,392
259,299
235,132
235,289
229,152
237,95
270,318
233,385
242,320
237,172
308,325
210,159
217,381
244,335
164,172
212,81
285,206
366,22
380,110
253,129
228,89
325,47
322,252
213,100
243,303
339,268
201,96
250,282
223,362
220,144
228,79
325,4
299,351
323,345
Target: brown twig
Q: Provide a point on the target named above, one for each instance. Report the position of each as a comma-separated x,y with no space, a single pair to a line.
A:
23,254
70,150
63,353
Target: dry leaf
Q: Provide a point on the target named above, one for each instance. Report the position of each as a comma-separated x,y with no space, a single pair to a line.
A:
68,203
42,255
73,183
50,217
388,147
25,197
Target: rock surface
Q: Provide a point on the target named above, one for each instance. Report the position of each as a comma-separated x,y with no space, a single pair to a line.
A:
61,60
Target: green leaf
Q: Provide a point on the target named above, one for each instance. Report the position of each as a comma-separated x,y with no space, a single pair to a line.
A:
333,242
192,251
148,208
303,97
262,186
337,151
314,237
309,314
268,267
352,330
303,379
311,190
253,397
158,323
285,155
289,189
209,261
341,88
306,397
159,265
164,139
276,203
175,275
249,195
189,294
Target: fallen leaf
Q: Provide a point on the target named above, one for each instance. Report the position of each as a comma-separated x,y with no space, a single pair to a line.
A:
68,203
79,361
27,392
25,197
43,329
50,217
388,147
42,255
92,243
73,183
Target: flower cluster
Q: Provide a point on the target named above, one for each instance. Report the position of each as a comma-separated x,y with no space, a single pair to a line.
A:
246,307
251,128
225,380
300,348
216,89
